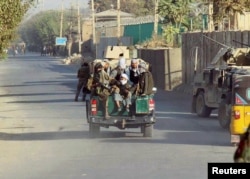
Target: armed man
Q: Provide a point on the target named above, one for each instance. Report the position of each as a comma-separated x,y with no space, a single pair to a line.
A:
82,75
100,83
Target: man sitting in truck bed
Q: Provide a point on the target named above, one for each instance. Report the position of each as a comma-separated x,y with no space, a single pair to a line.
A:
122,93
133,74
146,82
119,69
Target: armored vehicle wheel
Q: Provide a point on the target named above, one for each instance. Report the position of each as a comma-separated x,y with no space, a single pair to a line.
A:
201,109
94,130
147,130
224,115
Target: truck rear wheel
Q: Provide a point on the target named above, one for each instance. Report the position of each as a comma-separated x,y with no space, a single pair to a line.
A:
94,130
201,108
147,130
224,115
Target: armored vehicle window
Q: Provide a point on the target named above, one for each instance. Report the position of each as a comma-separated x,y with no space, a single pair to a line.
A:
248,93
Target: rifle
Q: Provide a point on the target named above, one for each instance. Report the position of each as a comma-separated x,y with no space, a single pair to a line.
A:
241,43
103,86
226,46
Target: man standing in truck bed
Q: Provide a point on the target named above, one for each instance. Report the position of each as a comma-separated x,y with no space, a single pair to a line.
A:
101,87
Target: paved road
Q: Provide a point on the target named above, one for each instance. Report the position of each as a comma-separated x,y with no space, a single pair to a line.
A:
44,133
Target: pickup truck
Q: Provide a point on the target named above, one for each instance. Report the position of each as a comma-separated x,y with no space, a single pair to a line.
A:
141,115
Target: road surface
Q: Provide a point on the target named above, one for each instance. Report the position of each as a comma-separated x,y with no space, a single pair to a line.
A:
44,133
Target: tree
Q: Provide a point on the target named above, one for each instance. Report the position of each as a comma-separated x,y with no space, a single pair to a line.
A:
174,11
43,28
175,14
11,14
227,8
137,7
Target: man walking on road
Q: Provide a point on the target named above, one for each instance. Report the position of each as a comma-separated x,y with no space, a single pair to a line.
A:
82,75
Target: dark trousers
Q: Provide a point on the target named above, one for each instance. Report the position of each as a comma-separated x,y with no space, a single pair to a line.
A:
80,86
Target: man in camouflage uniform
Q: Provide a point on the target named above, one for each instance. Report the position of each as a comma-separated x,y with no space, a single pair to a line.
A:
82,75
101,87
242,153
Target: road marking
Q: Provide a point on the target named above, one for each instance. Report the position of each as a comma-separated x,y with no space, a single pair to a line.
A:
161,112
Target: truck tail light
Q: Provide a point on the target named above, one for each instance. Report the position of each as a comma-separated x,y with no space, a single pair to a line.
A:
94,107
151,103
236,114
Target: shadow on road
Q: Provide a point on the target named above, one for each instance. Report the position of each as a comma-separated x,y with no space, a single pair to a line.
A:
63,135
57,135
178,137
173,137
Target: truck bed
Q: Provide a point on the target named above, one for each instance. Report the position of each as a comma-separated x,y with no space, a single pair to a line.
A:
141,114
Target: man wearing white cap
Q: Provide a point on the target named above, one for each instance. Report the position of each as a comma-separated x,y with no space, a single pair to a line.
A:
119,70
123,95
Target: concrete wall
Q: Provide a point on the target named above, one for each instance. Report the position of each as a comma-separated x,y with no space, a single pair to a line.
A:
166,66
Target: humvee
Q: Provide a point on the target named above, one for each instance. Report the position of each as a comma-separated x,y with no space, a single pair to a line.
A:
225,85
142,111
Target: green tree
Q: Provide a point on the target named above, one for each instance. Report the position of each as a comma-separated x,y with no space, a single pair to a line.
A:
11,14
176,16
174,12
43,28
137,7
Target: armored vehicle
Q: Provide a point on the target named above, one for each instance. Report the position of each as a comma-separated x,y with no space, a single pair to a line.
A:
225,86
142,111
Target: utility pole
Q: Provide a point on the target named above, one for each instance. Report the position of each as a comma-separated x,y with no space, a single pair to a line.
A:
61,21
210,18
70,31
156,17
119,22
93,26
93,20
79,27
